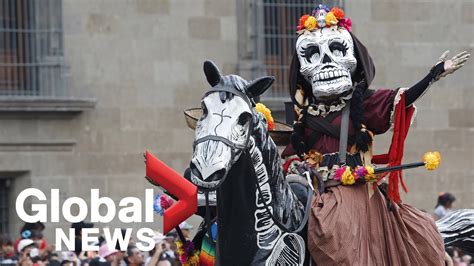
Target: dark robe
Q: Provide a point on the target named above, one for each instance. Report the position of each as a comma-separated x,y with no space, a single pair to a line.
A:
378,108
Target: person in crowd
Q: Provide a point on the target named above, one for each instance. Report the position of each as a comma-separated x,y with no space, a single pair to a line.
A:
134,256
28,253
105,256
186,229
87,256
78,235
458,257
171,238
7,251
162,254
54,259
30,230
68,258
444,204
109,255
122,254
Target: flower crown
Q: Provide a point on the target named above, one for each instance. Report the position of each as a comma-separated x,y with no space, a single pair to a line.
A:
323,17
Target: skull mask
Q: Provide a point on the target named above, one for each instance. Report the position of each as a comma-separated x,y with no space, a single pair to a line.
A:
327,60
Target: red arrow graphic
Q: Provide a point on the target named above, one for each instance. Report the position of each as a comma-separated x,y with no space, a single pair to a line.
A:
178,186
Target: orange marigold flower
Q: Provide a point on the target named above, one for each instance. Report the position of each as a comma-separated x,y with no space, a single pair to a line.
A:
311,23
338,13
331,19
303,20
271,125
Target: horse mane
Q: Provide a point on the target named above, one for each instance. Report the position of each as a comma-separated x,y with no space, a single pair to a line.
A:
282,193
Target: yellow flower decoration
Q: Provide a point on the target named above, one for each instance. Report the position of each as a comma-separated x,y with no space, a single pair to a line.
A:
261,108
432,160
193,260
331,19
370,177
347,177
311,23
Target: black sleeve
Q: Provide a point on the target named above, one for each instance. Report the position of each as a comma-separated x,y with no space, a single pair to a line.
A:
415,91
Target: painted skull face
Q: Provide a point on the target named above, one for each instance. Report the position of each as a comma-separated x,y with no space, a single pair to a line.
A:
327,60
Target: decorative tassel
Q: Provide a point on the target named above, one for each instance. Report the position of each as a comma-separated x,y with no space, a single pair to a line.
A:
394,157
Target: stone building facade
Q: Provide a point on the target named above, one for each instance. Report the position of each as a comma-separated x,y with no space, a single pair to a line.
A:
133,66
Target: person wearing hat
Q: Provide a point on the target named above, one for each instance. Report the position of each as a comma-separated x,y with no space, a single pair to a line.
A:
27,251
106,257
33,231
108,254
25,245
78,235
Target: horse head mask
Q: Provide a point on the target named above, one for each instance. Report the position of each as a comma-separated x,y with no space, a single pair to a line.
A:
223,131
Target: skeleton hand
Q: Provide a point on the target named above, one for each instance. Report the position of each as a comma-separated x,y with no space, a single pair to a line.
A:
452,64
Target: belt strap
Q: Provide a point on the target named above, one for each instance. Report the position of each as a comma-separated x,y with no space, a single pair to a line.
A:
344,134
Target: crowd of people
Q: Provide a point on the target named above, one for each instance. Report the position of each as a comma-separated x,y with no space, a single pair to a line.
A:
444,205
30,248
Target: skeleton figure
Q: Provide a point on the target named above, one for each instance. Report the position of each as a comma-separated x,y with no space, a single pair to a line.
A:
354,223
327,60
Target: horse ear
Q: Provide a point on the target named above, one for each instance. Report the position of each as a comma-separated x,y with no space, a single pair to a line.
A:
213,75
259,86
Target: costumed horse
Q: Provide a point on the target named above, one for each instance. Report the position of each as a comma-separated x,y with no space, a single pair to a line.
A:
457,230
258,214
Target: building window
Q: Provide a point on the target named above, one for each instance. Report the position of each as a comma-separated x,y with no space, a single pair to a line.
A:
31,49
4,189
276,22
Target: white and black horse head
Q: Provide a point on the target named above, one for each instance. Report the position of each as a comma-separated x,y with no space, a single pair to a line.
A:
258,215
224,129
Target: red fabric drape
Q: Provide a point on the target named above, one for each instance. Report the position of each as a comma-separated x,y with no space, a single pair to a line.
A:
394,156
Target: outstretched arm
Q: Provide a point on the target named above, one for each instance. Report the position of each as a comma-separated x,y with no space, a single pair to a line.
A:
441,69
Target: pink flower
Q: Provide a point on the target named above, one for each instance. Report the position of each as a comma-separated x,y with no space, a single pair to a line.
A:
339,172
165,201
183,258
346,23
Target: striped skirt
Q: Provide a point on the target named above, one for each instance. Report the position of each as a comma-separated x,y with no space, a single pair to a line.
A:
347,227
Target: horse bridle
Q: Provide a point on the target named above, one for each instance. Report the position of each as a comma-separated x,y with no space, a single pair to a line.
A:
234,147
243,149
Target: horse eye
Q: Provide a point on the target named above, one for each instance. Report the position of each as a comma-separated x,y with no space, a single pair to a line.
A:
204,110
243,119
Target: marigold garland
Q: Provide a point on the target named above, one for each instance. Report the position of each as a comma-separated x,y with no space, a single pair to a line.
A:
362,174
267,114
332,18
347,177
370,176
184,252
